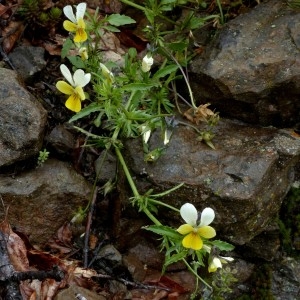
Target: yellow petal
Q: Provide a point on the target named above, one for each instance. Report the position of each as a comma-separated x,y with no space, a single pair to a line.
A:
81,23
64,87
207,232
73,103
193,241
185,229
80,36
80,93
69,26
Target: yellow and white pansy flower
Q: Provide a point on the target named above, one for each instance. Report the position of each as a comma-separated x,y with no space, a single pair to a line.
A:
194,230
74,87
76,23
216,262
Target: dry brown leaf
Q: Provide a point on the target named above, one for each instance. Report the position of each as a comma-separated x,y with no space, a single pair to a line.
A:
11,34
16,249
200,114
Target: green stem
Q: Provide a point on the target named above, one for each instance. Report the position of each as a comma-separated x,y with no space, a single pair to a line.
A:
133,4
151,217
184,76
163,204
221,11
195,274
189,125
127,173
133,186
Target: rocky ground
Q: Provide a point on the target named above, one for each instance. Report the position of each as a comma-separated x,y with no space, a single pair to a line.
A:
250,73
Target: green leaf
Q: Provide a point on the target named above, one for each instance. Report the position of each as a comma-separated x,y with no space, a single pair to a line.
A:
132,52
111,28
175,258
149,15
164,231
66,47
138,86
86,111
119,20
196,22
178,46
165,71
223,246
76,61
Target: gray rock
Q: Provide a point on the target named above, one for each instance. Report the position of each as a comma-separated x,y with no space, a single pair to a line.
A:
28,60
61,139
22,121
251,70
41,200
244,180
285,280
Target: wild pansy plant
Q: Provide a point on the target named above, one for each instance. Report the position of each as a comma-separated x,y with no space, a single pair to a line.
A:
191,242
132,101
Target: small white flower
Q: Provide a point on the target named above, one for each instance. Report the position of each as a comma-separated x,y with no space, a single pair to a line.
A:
217,261
147,63
167,136
108,74
146,133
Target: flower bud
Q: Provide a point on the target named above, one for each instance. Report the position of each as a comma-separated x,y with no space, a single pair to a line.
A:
147,63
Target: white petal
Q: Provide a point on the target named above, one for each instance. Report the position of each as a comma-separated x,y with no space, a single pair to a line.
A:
216,261
80,10
68,11
78,77
67,74
87,79
189,214
227,258
207,216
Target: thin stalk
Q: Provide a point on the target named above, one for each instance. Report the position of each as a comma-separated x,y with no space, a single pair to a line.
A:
184,76
133,4
163,204
133,186
195,274
221,11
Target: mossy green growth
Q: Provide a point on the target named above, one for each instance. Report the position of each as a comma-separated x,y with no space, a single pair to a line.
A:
37,14
289,222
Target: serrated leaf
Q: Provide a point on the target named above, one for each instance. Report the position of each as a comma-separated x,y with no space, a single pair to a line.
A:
119,20
86,111
164,231
223,246
165,71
